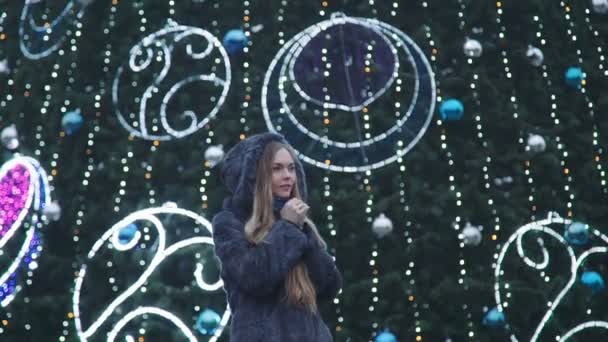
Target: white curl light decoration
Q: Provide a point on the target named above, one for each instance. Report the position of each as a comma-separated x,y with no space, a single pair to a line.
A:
110,241
156,51
39,41
284,88
543,227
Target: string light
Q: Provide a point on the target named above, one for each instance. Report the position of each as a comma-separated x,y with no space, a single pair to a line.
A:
246,75
454,188
568,14
561,145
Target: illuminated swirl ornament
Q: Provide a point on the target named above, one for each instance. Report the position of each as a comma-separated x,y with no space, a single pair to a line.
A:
184,74
340,75
148,268
38,38
24,192
533,244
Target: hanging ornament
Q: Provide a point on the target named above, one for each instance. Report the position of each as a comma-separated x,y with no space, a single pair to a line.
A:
494,318
385,336
214,155
4,68
235,41
536,143
52,211
382,226
535,56
10,137
593,280
86,2
600,6
127,233
577,234
72,121
500,181
208,322
472,48
471,235
574,77
451,109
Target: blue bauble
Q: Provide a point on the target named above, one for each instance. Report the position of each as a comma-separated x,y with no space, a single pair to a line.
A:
72,121
235,40
574,77
385,336
208,322
126,234
494,318
577,234
593,280
451,109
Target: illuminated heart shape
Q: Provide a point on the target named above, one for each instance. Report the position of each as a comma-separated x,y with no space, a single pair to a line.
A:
23,189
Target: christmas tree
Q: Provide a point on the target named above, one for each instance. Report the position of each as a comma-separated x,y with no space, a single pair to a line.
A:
455,156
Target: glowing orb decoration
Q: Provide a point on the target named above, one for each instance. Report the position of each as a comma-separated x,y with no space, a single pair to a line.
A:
38,41
162,268
24,192
533,243
175,101
329,89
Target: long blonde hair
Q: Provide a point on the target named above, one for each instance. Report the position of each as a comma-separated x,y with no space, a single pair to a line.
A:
300,289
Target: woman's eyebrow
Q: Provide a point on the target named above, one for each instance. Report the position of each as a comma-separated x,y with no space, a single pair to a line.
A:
281,164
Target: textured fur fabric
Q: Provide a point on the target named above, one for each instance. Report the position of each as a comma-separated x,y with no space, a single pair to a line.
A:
254,274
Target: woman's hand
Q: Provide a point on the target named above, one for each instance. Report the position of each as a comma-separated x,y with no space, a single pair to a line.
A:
295,211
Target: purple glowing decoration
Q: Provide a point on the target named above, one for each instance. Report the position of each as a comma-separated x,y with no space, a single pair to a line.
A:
14,193
347,56
23,194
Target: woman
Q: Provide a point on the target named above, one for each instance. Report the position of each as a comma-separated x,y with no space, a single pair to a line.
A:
273,261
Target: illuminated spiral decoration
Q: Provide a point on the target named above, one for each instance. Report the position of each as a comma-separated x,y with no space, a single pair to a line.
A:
155,66
369,65
544,228
140,257
24,192
38,41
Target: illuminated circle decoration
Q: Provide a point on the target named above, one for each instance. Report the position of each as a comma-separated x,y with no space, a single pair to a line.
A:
39,41
369,63
24,192
541,262
153,67
163,233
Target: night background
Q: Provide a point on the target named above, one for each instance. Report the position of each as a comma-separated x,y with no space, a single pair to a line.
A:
455,154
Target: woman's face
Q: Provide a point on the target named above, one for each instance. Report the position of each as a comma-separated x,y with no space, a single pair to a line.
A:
283,174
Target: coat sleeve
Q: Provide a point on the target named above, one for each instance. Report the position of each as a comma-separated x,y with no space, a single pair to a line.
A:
322,269
257,269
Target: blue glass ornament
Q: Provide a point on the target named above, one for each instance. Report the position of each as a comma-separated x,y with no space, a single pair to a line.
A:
234,41
385,336
126,234
72,121
593,280
574,77
494,318
208,322
451,109
577,234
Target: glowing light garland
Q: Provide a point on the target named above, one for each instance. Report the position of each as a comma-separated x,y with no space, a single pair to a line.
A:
24,195
410,127
542,226
158,48
110,240
50,35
